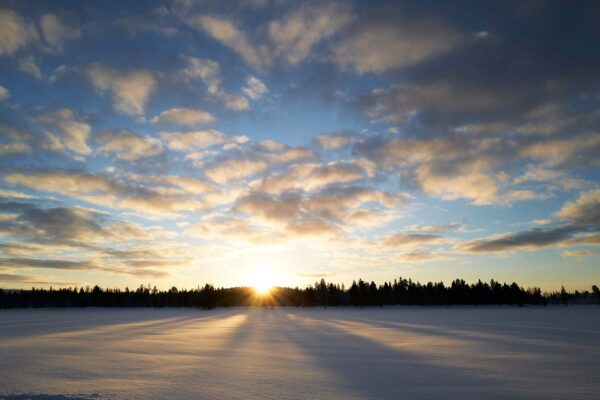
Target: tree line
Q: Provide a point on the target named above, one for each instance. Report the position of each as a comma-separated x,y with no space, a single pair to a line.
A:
321,294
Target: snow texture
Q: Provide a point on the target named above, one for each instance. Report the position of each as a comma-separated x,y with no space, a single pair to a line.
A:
287,353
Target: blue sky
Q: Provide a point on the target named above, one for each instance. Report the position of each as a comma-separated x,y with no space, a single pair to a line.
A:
183,142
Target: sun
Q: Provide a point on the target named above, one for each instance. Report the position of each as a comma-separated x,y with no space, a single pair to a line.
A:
263,289
262,279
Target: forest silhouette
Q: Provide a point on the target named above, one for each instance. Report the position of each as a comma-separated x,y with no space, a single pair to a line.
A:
321,294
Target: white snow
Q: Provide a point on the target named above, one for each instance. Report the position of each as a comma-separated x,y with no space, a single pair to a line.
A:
288,353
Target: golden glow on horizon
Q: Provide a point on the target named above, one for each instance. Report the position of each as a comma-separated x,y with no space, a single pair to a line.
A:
263,279
263,289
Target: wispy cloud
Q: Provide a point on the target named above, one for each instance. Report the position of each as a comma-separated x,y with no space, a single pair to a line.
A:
183,116
130,91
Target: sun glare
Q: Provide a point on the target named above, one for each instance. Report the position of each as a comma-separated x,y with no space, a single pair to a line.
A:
262,288
262,279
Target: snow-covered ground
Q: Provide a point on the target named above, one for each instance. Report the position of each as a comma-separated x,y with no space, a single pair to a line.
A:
390,353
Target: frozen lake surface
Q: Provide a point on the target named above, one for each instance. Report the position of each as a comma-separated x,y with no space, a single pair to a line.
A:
246,353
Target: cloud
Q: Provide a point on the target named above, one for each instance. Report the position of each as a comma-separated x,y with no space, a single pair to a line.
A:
254,89
306,175
379,46
57,73
403,152
468,181
14,148
437,99
234,169
190,185
4,93
183,116
60,224
45,263
16,33
190,141
419,256
536,173
233,101
463,166
139,269
70,226
108,192
15,278
224,31
154,202
157,20
227,227
578,254
520,195
126,146
582,218
468,127
334,173
292,178
534,92
85,186
310,176
334,141
434,228
16,134
584,211
56,33
130,91
329,213
550,119
11,194
557,151
412,240
242,159
209,72
527,240
289,40
288,215
574,184
27,64
290,154
69,133
295,35
257,217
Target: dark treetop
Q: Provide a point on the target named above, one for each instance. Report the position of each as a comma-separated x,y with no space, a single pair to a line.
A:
359,294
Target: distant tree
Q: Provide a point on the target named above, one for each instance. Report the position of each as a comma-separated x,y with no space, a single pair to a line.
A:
208,297
322,293
564,297
596,292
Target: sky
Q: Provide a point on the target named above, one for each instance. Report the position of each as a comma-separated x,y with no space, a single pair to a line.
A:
179,143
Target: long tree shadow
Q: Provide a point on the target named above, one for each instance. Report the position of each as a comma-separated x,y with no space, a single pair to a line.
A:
242,334
512,330
110,321
149,327
377,371
93,396
259,361
482,337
